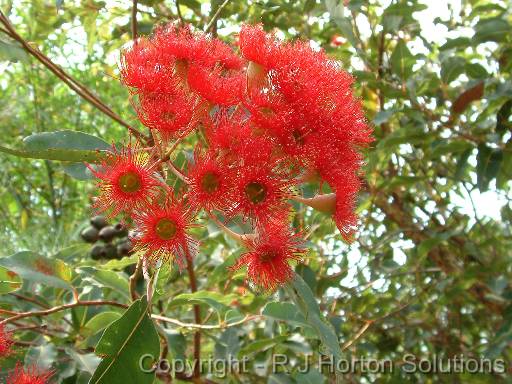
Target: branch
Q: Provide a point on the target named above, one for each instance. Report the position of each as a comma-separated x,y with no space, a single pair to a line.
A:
197,313
202,326
134,20
179,12
72,83
59,308
215,17
133,280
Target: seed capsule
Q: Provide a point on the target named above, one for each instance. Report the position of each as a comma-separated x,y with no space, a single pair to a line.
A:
110,252
97,252
124,248
121,230
89,234
107,233
99,222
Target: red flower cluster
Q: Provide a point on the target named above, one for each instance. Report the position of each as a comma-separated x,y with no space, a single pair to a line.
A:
264,120
29,376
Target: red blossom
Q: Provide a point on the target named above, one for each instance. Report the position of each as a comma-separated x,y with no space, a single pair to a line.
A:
209,181
257,46
127,181
6,342
260,192
269,256
172,114
281,110
235,137
162,231
184,44
144,67
215,84
29,376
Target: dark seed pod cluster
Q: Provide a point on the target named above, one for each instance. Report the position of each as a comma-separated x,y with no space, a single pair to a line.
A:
110,241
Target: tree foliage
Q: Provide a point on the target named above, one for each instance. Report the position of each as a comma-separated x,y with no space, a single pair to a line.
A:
428,274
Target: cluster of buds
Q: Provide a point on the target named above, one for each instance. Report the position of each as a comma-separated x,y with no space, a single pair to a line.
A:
267,120
20,375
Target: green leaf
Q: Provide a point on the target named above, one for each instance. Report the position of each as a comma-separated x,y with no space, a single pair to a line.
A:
107,278
488,165
122,263
87,362
426,245
218,301
57,154
336,10
313,376
402,60
68,140
11,51
454,146
462,163
41,356
383,116
69,146
306,303
476,71
36,268
122,346
192,4
100,322
279,378
285,312
451,68
493,29
261,345
462,42
309,5
9,281
503,116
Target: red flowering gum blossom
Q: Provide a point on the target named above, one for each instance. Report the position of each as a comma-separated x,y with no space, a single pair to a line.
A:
268,258
144,67
171,114
233,137
29,376
216,85
308,102
209,182
127,181
6,342
163,232
260,192
259,47
181,43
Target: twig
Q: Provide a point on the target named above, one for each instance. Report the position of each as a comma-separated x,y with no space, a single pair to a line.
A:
133,280
359,333
59,308
180,16
29,299
216,16
134,20
202,326
197,312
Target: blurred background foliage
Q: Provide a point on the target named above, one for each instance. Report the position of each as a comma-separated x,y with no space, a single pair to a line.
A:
430,270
